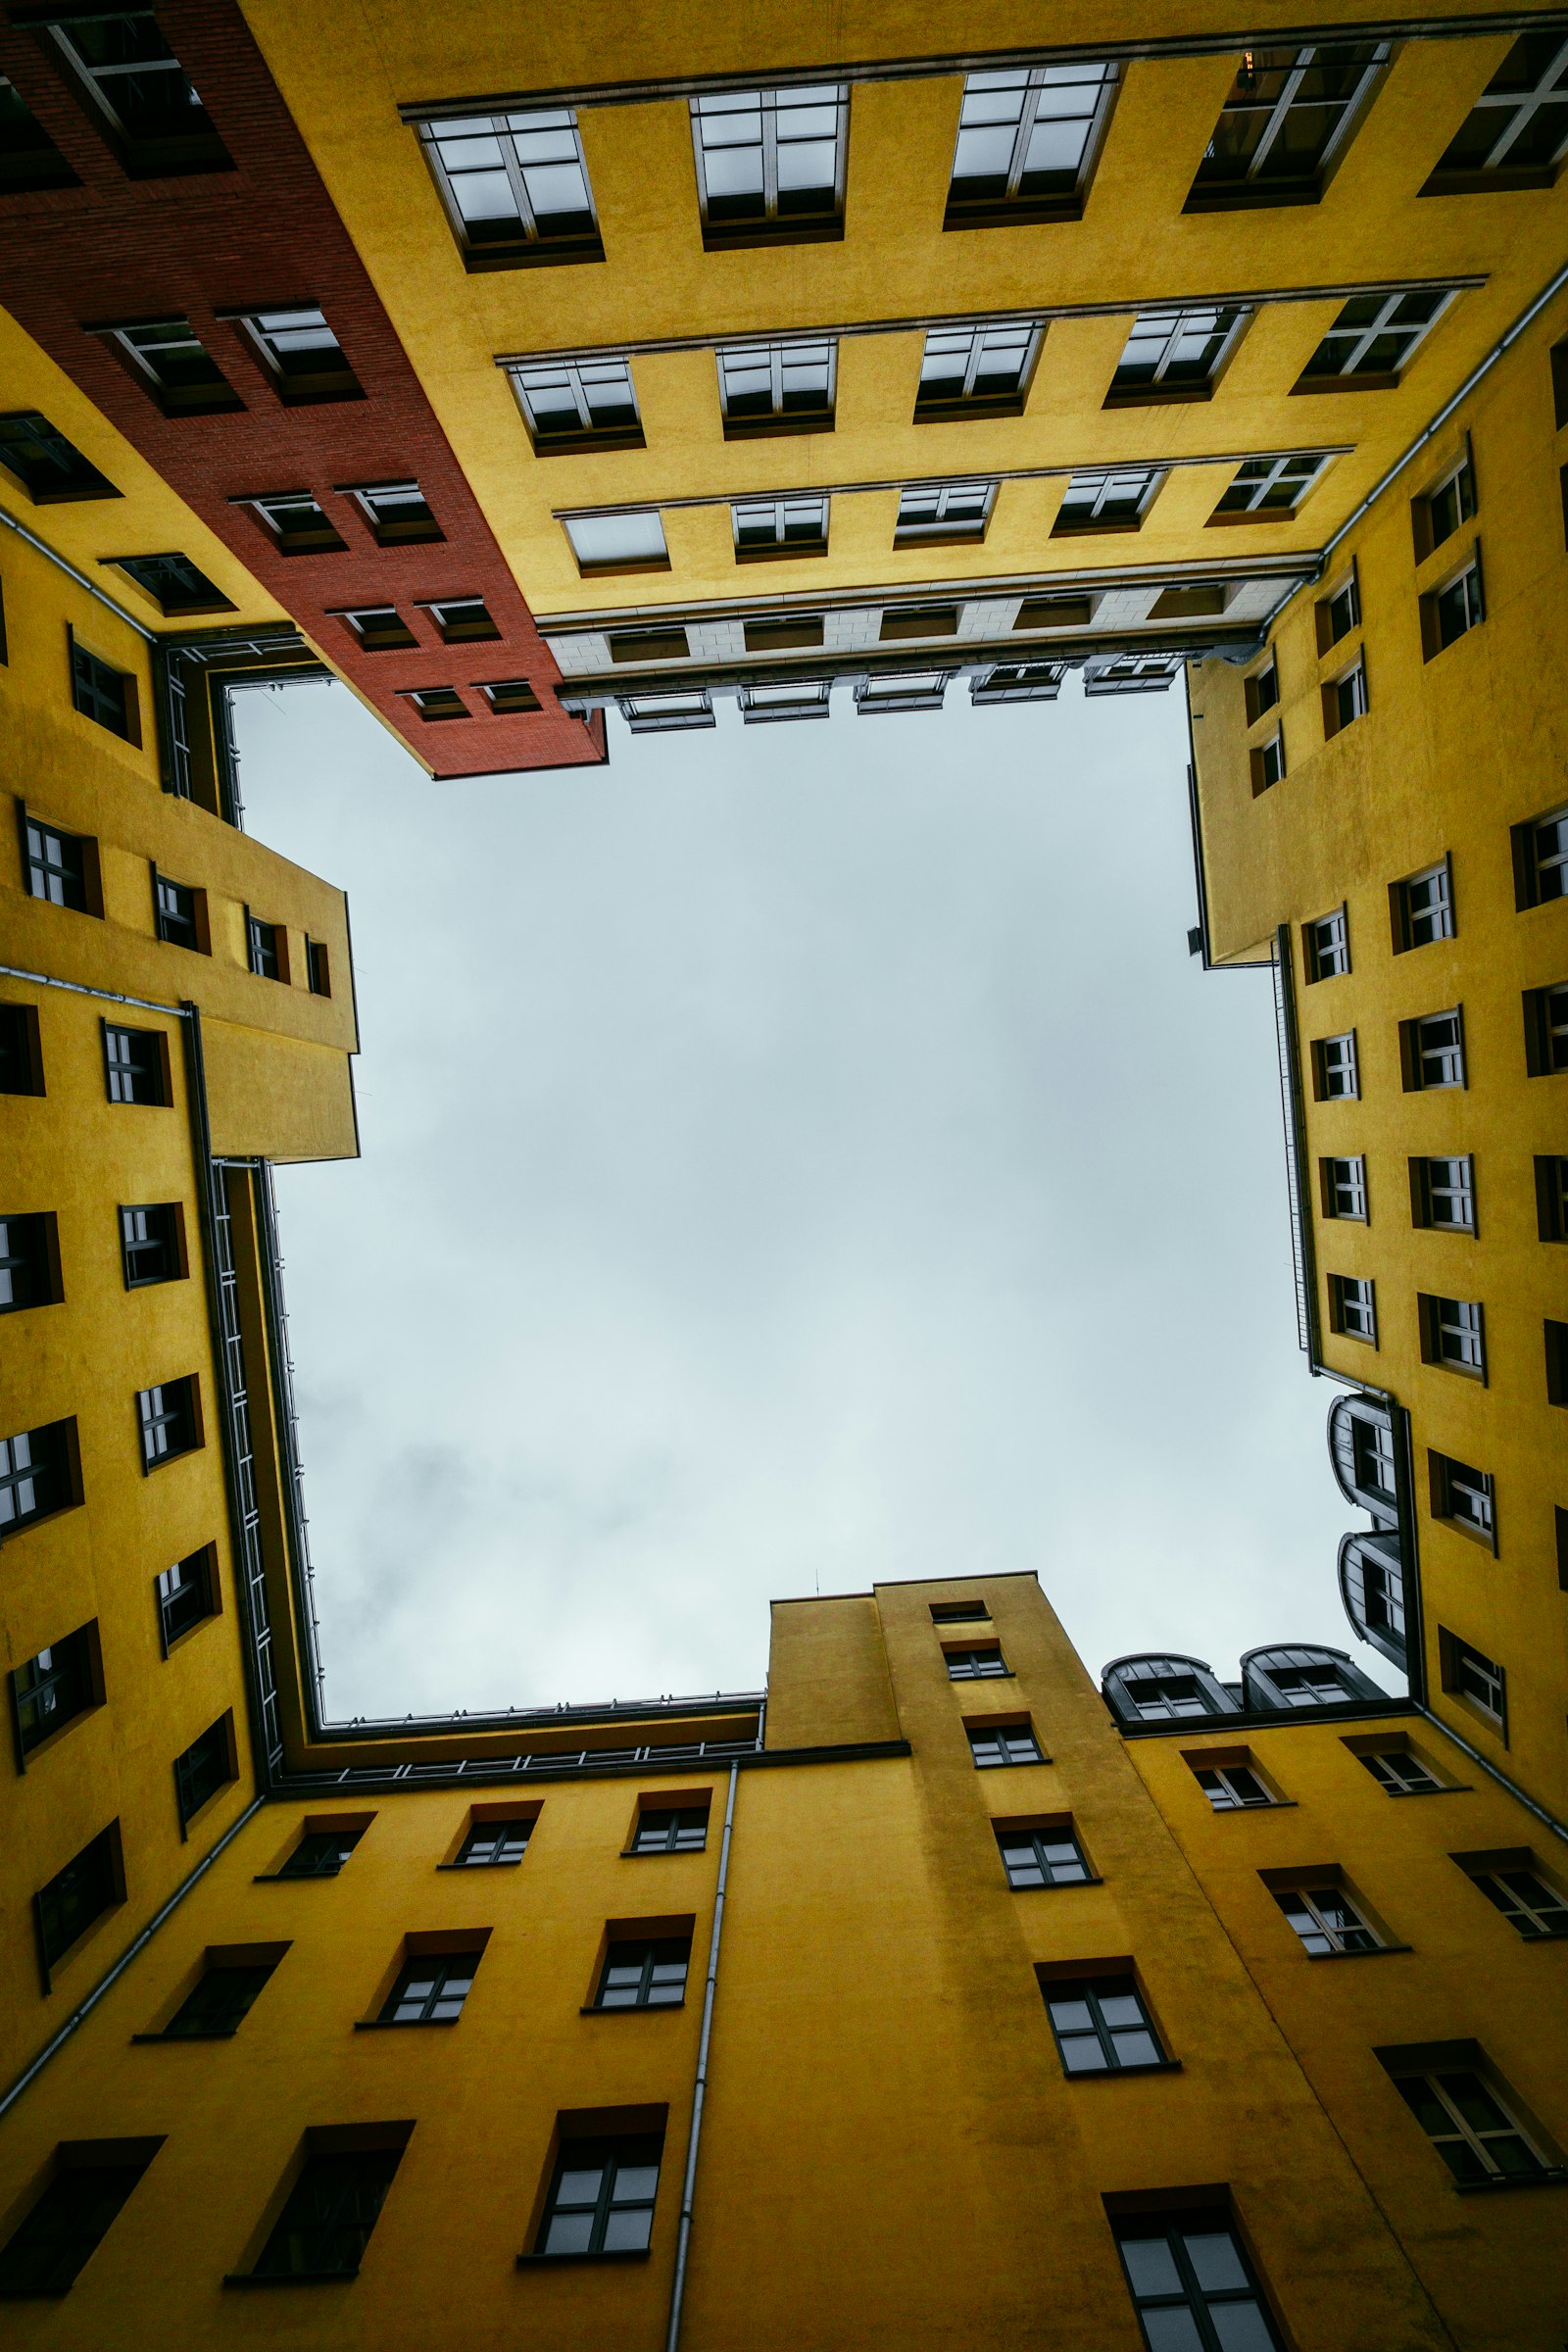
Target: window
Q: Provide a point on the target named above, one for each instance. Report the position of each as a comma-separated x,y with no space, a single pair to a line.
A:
180,914
440,702
1326,946
141,95
515,187
1338,614
186,1594
1547,1030
646,1974
90,1885
1433,1051
1531,1907
30,1263
786,633
1192,2284
298,524
1551,1199
171,1421
1421,908
173,583
152,1243
21,1061
431,1990
919,621
993,1744
1372,1457
945,510
1401,1772
1438,512
28,156
1108,502
1266,762
317,967
49,467
1159,1697
1450,612
983,1663
670,1830
1055,613
1287,116
650,645
975,370
1462,2113
781,527
38,1474
770,164
91,2182
1465,1498
1268,489
1043,1857
1442,1193
171,361
1027,142
320,1853
1101,2025
1372,341
1336,1076
380,629
1515,133
329,2213
222,1997
209,1764
793,697
901,690
464,620
267,946
1262,689
959,1612
53,1688
1451,1334
102,693
1327,1921
1018,682
62,868
1469,1673
663,713
1307,1685
506,698
303,357
397,513
1175,354
1353,1308
1372,1587
1556,1342
495,1844
1344,1183
618,542
578,404
1541,860
1231,1787
1344,699
776,387
602,2196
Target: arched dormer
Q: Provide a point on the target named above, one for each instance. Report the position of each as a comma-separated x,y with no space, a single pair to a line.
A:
1362,1449
1372,1589
1296,1674
1146,1688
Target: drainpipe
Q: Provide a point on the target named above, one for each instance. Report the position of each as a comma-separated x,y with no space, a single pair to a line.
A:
677,2293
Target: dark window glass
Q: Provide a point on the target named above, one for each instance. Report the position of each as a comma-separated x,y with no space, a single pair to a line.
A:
35,1475
1525,1900
169,1421
1551,1199
970,366
492,1845
1334,1069
175,584
571,401
984,1663
1401,1773
20,1071
1231,1788
1287,113
185,1595
1469,2126
1101,2024
1457,608
1545,859
299,526
1445,1193
50,1689
440,702
1042,1858
771,159
1375,336
138,81
664,1831
99,692
47,2250
77,1895
304,356
179,914
1436,1049
205,1767
220,2000
1307,1685
1327,1921
319,963
27,1263
430,1991
320,1853
1006,1743
1547,1030
149,1243
186,380
778,383
46,465
1517,129
958,1612
264,950
1450,504
1192,2285
328,2215
1328,946
1271,487
1162,1694
1475,1676
28,156
466,619
57,866
134,1064
602,2196
1025,138
644,1975
398,512
516,185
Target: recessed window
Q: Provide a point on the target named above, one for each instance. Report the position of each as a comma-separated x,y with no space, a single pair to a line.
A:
1546,1013
397,513
169,1419
331,2211
171,360
578,404
1372,1457
318,967
1101,2025
1468,1673
1027,142
1432,1052
380,629
666,714
1192,2284
90,2182
1515,133
792,698
1336,1076
1541,860
602,2196
136,1065
1353,1307
791,632
464,620
1533,1908
173,583
1327,1922
644,1972
152,1243
1463,2110
38,1474
776,387
996,1743
1289,114
919,621
1436,514
945,510
222,1997
1556,1335
20,1057
1261,689
91,1884
1266,762
50,469
1041,1857
298,524
1269,489
984,1662
505,697
104,694
1114,501
30,1263
1344,1187
670,1830
780,527
515,187
1452,1334
1552,1197
1018,682
29,157
186,1594
302,356
1055,613
1326,946
495,1844
431,1990
901,690
1161,1697
141,95
1231,1787
181,913
320,1853
266,946
208,1765
1372,341
633,542
440,702
1317,1686
55,1687
1454,610
1421,908
770,164
1463,1497
1442,1193
975,370
1338,614
1401,1771
1344,699
1175,354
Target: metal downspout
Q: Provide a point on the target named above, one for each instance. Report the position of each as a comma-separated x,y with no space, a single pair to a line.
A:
678,2293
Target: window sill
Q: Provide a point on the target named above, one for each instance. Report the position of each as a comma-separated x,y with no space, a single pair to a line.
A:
956,412
780,555
610,2254
204,2034
1114,2073
1008,1677
628,2009
1056,1886
532,257
903,541
1456,1789
1309,384
517,1864
1500,182
288,2277
1251,198
687,1853
1020,213
611,571
1157,396
1013,1764
1217,522
1487,2189
399,2024
587,445
771,429
1096,530
1276,1804
745,235
1380,1951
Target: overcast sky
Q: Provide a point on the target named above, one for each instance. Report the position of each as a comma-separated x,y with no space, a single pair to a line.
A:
794,1157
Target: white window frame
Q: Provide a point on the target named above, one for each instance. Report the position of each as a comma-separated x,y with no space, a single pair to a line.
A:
950,401
529,242
983,90
569,376
771,224
1170,328
777,356
947,521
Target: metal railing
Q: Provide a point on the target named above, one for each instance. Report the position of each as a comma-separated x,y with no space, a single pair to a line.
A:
1293,1111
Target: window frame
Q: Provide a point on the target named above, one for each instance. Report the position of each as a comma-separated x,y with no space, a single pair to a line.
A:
69,1689
1454,1334
1324,1069
1453,1483
1073,525
205,1769
592,567
1425,1191
318,538
1459,477
1464,581
1495,1874
36,1261
1321,1926
78,479
1472,179
170,1424
142,157
101,1860
168,1596
1276,470
1546,1017
1231,322
820,226
1171,2225
208,394
1336,1189
1049,1843
1469,1676
777,419
1090,1992
529,247
623,2151
1405,2068
1406,918
653,1954
1012,205
941,528
1004,1733
1360,337
1416,1054
322,381
582,374
1249,191
946,407
52,1468
780,549
1326,945
1354,1309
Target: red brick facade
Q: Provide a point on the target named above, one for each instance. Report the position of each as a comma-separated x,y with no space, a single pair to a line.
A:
212,243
